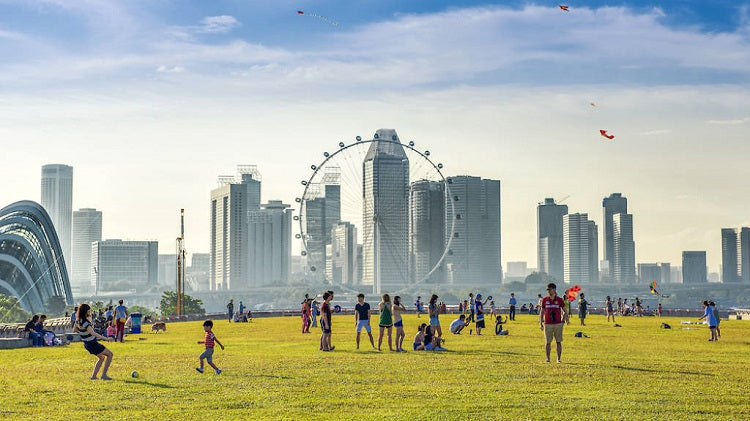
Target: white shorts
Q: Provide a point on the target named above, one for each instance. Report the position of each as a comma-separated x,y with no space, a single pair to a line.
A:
363,324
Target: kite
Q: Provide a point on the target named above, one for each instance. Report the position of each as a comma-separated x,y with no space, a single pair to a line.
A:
608,136
323,18
592,104
572,292
653,290
563,8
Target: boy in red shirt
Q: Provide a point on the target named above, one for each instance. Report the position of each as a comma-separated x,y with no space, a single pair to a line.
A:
209,352
551,319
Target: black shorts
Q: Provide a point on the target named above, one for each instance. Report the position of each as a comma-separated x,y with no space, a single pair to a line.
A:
480,323
326,331
94,347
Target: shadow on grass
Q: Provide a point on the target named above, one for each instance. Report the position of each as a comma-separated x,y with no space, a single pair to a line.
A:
651,370
159,385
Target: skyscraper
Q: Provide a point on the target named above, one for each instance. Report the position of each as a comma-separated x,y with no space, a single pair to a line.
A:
650,272
343,257
735,254
57,199
576,248
694,269
550,238
230,203
87,228
124,265
269,244
322,213
623,267
475,249
385,231
612,205
168,270
730,262
426,230
593,232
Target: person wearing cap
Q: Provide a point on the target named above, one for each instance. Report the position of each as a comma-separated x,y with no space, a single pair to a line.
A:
479,313
551,316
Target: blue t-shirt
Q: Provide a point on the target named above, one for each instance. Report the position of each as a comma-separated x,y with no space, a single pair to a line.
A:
710,318
479,310
512,301
120,312
363,310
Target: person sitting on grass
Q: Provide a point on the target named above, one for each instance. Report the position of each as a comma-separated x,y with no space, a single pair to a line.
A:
708,315
209,352
89,339
459,324
419,337
432,342
499,325
111,330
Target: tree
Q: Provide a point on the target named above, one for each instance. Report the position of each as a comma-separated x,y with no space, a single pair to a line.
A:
11,311
168,304
140,309
56,306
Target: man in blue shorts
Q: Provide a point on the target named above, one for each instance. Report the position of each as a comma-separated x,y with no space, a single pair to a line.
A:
419,305
479,312
362,318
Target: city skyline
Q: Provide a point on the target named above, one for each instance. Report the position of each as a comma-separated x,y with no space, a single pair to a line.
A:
145,92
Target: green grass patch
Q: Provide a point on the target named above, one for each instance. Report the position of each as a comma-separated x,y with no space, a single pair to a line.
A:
272,371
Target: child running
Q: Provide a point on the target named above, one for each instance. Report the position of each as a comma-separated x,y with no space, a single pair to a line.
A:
89,339
209,352
398,323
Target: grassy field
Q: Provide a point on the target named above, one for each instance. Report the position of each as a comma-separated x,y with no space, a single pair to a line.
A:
271,371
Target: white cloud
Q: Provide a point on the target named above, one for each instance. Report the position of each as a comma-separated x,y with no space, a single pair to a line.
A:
730,122
655,132
170,69
218,24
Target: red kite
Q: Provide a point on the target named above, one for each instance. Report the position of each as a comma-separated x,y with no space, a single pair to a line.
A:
608,136
563,8
572,292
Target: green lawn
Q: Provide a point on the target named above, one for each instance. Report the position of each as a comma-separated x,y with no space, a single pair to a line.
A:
271,371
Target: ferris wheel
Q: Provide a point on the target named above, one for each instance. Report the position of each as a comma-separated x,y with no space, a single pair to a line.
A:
373,214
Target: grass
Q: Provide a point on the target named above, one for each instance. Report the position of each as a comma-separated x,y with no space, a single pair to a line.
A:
271,371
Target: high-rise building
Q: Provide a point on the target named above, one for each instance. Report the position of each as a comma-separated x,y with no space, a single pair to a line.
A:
549,225
735,255
168,271
124,265
87,228
322,212
426,230
230,203
576,248
196,275
475,250
344,254
269,244
730,268
385,213
57,199
694,269
516,270
612,205
666,272
593,237
623,267
650,272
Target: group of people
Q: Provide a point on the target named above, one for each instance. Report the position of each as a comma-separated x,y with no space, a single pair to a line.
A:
711,316
242,315
34,329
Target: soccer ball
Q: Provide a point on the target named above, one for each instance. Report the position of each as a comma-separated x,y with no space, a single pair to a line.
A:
134,374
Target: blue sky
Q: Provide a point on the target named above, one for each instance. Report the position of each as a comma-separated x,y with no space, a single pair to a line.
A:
151,100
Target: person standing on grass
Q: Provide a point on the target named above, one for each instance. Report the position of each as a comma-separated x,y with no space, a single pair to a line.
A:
708,315
398,323
583,309
551,316
121,315
209,352
306,316
716,316
434,312
89,339
638,307
471,307
325,323
418,304
619,306
230,310
479,310
362,318
658,310
386,320
512,304
610,309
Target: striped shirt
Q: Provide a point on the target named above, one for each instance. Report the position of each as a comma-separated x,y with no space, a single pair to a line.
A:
209,340
86,336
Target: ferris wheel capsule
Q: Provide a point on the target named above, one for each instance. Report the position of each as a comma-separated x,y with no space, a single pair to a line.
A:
411,143
426,153
298,200
440,166
313,167
376,136
326,154
359,138
304,183
341,144
394,137
304,253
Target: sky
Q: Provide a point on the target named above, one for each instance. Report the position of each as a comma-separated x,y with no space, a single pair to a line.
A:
150,101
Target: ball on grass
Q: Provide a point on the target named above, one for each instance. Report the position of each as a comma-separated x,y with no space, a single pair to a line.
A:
134,374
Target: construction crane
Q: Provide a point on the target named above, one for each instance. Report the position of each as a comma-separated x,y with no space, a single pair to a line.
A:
180,305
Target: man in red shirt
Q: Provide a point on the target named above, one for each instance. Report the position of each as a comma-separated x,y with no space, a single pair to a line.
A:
551,316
